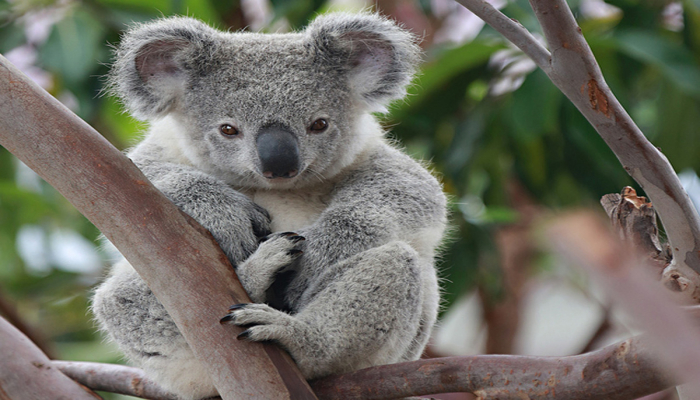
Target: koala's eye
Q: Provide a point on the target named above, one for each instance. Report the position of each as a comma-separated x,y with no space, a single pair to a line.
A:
319,125
228,130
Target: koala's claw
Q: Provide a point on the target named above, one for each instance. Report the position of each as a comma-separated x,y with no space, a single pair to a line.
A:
237,306
262,322
295,253
293,236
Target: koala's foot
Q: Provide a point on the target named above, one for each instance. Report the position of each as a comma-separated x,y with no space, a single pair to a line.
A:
363,311
276,255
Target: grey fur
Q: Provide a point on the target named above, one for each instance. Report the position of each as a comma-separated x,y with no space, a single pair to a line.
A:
361,289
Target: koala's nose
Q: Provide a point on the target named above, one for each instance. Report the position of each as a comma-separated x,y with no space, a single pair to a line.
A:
278,150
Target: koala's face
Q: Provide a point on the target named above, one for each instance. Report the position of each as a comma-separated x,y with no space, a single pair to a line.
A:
268,114
267,111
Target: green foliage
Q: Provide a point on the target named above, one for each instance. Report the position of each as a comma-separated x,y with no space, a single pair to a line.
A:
479,141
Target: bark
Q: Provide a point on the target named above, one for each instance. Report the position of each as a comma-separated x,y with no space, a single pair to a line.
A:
26,372
114,379
179,260
634,218
596,375
571,66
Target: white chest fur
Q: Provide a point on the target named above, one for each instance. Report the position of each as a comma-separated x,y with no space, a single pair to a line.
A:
291,210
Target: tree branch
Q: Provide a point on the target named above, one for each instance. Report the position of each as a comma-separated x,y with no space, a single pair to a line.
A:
26,372
596,375
113,378
511,30
180,261
574,70
576,73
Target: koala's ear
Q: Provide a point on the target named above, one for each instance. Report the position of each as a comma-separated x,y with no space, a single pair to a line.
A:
380,58
154,61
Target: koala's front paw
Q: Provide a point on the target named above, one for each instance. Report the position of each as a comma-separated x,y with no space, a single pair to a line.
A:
262,322
276,255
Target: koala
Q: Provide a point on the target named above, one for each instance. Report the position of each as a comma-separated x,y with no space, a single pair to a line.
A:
270,142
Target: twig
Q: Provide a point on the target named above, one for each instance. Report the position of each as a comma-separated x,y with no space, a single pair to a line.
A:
634,218
576,73
511,30
26,372
114,379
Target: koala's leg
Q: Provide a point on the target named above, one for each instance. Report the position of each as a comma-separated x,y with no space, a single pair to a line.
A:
363,311
133,318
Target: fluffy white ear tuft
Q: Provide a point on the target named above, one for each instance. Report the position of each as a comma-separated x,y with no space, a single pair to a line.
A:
151,67
380,58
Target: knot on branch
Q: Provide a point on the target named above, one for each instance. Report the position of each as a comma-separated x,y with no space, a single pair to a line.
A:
634,219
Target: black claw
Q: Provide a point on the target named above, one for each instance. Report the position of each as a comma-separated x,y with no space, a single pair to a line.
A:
238,306
295,252
297,238
243,335
288,234
228,318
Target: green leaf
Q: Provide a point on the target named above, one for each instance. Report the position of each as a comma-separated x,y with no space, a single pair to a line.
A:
675,61
534,107
72,48
450,63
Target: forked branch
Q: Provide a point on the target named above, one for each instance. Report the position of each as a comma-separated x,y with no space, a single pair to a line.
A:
574,70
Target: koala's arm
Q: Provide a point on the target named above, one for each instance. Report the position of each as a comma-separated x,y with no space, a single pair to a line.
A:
232,218
126,308
388,197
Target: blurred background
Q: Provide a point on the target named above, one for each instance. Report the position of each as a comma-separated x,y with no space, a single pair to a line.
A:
508,146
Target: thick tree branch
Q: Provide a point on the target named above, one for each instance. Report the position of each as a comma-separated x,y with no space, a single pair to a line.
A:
596,375
26,372
179,260
574,70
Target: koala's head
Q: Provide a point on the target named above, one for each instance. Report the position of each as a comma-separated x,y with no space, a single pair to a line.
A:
266,110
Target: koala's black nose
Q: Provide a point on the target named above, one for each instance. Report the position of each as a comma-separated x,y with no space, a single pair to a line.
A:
278,150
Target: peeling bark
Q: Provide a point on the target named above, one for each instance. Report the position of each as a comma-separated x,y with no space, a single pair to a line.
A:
634,218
